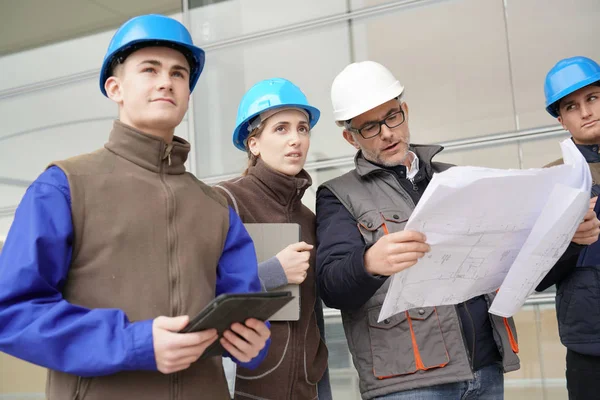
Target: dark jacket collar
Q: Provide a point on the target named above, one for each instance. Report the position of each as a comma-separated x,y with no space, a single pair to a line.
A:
589,152
147,151
284,189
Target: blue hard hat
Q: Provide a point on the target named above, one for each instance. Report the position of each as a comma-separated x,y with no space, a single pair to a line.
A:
566,77
149,30
265,95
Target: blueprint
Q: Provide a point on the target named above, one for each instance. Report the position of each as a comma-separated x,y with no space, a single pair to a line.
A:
491,229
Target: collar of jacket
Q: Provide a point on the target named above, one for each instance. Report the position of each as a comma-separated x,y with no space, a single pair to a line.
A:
425,153
589,152
147,151
283,188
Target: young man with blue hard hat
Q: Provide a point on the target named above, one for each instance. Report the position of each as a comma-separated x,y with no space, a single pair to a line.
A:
572,90
111,252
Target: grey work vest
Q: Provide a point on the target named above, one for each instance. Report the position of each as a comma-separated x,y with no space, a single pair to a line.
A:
422,346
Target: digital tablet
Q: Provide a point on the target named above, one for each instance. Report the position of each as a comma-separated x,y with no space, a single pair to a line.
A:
269,239
227,308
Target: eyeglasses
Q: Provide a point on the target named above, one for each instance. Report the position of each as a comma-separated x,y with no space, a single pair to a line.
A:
373,129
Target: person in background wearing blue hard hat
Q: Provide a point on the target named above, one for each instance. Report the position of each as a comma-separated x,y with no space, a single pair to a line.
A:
273,126
111,252
572,90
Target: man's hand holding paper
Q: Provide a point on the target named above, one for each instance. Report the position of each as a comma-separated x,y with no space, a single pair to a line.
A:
395,252
588,230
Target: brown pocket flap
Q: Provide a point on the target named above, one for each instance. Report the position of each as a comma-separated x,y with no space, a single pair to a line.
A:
386,323
421,313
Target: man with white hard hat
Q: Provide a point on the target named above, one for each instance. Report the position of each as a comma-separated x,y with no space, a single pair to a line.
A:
444,352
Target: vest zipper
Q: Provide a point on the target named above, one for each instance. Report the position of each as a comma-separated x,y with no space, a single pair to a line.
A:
167,154
171,251
78,388
414,185
293,328
474,338
462,335
176,385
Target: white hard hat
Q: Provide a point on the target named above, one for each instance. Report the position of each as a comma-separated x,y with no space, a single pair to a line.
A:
361,87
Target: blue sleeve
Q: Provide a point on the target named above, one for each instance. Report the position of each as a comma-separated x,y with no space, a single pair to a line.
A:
342,280
36,323
238,272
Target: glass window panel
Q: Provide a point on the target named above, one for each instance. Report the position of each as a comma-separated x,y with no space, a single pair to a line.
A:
5,222
20,379
453,65
358,4
11,194
44,64
82,52
78,17
345,388
139,7
217,21
69,120
62,127
343,376
310,60
552,350
339,355
522,390
51,22
540,33
539,152
525,321
542,356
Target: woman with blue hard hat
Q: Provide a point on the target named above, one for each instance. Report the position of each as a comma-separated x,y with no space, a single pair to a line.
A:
572,90
273,127
111,252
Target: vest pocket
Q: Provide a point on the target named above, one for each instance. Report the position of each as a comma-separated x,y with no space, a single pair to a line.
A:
374,224
406,342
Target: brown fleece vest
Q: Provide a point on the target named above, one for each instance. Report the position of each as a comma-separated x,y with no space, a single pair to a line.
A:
147,240
297,357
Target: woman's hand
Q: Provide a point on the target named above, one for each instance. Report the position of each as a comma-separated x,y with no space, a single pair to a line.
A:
294,260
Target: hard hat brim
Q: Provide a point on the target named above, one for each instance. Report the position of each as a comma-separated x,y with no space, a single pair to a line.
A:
195,52
551,106
240,133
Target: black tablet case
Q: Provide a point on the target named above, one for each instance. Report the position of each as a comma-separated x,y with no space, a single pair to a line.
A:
228,308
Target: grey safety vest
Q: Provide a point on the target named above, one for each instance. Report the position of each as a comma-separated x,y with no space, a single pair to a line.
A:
422,346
